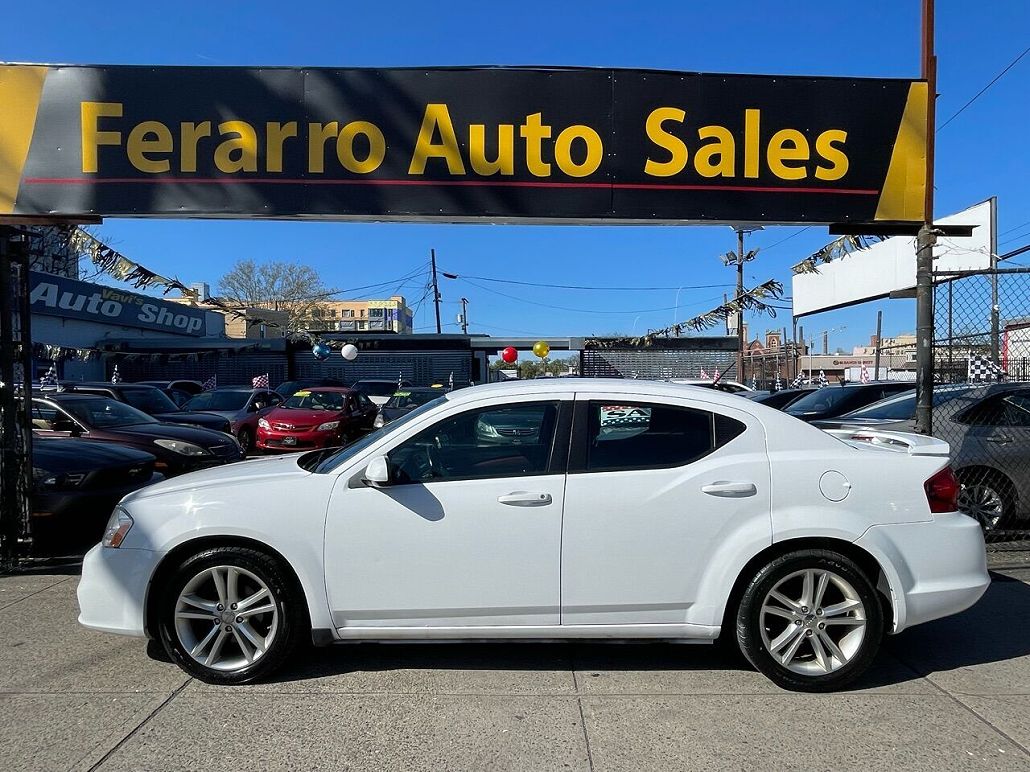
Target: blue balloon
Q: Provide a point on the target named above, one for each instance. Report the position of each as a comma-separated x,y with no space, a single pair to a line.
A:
321,351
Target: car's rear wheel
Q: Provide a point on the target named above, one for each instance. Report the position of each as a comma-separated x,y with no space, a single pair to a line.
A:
246,439
810,621
987,498
230,615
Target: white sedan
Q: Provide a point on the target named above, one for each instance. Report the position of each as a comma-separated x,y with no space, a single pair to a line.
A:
550,509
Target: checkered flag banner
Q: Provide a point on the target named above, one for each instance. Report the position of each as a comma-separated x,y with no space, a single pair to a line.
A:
823,380
260,381
50,377
210,383
779,384
116,376
982,369
798,382
864,374
703,373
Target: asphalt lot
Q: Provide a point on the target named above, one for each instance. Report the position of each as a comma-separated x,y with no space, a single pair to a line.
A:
953,694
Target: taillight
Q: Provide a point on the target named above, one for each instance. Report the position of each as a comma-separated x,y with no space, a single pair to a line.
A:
942,491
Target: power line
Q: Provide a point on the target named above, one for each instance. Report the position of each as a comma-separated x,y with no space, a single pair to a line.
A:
1016,228
981,91
1017,237
776,244
583,287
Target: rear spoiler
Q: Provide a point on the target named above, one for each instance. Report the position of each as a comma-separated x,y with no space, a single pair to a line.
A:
913,444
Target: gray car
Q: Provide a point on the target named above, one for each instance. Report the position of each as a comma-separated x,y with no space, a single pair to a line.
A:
241,405
988,428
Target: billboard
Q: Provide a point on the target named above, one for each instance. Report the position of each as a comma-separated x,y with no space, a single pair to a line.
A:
460,144
890,265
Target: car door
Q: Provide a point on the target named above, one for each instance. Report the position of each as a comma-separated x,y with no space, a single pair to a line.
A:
367,411
467,534
997,437
654,486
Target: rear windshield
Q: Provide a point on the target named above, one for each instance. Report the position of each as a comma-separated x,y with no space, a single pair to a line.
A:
903,408
376,388
819,400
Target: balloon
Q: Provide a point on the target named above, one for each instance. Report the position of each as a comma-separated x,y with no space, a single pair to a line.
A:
541,349
321,351
509,355
349,352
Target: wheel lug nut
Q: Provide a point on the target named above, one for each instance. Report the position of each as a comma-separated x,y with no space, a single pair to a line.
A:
220,607
819,611
804,609
822,625
797,621
233,606
808,632
239,620
228,629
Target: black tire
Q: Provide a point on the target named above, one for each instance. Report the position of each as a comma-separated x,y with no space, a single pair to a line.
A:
246,439
755,631
291,618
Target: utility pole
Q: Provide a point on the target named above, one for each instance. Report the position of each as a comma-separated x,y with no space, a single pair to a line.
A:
926,239
876,360
740,313
436,291
464,316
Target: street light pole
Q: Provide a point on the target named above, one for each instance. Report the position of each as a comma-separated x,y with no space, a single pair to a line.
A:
464,316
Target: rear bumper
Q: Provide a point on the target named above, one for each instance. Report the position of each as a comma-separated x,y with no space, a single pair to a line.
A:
113,588
934,569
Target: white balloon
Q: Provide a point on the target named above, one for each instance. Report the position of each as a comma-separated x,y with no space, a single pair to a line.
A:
349,352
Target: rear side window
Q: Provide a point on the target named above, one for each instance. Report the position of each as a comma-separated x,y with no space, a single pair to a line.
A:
639,435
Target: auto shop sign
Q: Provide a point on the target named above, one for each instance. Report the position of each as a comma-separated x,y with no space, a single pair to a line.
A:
460,144
68,298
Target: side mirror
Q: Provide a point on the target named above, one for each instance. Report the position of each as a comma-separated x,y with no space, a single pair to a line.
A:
377,472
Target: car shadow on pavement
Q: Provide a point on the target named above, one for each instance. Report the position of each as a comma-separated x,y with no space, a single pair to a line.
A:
995,629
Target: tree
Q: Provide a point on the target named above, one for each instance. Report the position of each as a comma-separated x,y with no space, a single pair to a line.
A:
277,286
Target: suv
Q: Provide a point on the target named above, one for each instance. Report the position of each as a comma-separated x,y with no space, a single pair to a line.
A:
152,401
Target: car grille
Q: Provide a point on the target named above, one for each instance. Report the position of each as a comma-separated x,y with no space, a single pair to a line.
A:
280,427
228,450
299,445
118,476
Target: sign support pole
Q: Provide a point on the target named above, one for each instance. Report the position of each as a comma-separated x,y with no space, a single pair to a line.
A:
879,345
925,241
740,314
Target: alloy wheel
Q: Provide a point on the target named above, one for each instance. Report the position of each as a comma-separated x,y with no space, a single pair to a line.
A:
983,503
813,622
226,618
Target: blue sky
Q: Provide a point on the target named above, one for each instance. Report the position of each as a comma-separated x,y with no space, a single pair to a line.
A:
984,152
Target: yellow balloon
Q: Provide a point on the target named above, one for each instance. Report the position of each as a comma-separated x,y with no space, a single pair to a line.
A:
541,349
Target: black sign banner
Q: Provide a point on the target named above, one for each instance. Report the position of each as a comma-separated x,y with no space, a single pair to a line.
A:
460,144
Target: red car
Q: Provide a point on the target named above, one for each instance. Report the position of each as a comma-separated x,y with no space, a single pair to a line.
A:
319,417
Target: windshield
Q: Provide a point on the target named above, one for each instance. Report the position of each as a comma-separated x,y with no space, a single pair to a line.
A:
329,463
903,408
218,400
410,399
151,401
819,400
316,400
101,413
375,388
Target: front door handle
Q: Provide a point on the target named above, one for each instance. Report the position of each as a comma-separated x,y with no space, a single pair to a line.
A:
730,490
999,440
525,499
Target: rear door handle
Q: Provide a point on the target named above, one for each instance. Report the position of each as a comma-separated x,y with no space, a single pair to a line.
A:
1000,440
525,499
730,490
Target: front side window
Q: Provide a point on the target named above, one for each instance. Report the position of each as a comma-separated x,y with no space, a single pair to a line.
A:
634,435
497,441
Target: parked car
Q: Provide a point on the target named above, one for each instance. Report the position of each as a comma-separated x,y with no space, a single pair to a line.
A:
779,399
672,530
320,417
179,391
732,387
988,428
241,406
289,388
404,401
177,448
152,401
832,401
379,390
75,485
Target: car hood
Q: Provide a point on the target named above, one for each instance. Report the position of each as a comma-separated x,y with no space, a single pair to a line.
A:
303,416
69,453
240,473
207,418
204,437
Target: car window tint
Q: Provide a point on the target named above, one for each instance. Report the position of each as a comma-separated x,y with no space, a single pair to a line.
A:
45,417
1016,410
490,442
636,435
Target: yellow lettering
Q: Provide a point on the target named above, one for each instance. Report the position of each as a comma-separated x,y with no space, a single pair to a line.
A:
437,117
244,146
275,135
189,135
376,147
563,151
723,149
673,144
838,160
139,144
318,135
533,131
92,137
788,145
504,163
752,122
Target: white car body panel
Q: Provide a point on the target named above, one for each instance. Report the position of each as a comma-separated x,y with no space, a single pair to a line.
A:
446,560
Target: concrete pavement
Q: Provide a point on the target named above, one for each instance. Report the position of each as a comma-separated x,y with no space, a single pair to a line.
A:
953,694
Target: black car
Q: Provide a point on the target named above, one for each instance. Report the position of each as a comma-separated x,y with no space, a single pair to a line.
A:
180,392
289,388
779,399
404,401
75,485
178,449
832,401
152,401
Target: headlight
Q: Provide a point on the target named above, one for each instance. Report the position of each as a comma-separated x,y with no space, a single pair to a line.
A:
185,448
263,424
117,528
327,426
44,479
380,422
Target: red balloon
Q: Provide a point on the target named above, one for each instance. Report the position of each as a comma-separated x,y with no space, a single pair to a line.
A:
509,354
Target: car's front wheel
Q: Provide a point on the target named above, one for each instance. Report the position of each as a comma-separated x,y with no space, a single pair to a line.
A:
810,620
230,615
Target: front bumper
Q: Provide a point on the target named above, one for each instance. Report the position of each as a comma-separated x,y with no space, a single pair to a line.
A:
291,442
934,569
113,588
